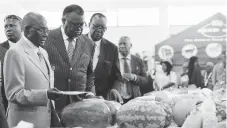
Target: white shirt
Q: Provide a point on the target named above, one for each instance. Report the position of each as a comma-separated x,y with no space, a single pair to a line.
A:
121,59
66,41
11,43
161,79
96,53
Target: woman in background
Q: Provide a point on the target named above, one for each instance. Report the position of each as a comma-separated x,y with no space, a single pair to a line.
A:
165,79
184,76
194,72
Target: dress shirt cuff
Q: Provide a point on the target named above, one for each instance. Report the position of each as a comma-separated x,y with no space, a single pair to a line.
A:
135,77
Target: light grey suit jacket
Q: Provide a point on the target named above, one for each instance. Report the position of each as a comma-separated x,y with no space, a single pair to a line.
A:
26,85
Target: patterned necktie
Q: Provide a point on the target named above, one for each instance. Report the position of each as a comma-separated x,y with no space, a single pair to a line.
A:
70,49
128,85
42,62
126,66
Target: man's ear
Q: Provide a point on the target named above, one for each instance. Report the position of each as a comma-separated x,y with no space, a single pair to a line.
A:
130,45
89,24
27,31
63,21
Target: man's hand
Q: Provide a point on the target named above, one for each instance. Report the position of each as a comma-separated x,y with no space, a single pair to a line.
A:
53,94
129,76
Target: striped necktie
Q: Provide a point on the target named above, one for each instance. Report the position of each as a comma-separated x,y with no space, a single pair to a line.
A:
42,62
70,49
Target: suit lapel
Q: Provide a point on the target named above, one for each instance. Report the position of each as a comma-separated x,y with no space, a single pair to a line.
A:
33,58
60,45
6,44
80,42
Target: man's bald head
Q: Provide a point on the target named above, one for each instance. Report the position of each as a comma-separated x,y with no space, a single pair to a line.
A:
35,28
124,45
33,19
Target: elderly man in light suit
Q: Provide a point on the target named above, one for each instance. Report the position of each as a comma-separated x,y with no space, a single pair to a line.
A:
29,77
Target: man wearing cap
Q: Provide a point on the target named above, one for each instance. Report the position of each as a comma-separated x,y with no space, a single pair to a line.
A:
28,76
70,55
12,26
208,76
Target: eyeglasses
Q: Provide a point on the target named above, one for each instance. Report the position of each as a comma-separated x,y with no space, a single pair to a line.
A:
77,25
13,17
99,27
41,30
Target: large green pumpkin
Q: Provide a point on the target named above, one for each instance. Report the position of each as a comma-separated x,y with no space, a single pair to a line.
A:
89,113
143,112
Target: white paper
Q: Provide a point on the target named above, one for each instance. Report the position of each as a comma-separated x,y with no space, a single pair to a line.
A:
73,92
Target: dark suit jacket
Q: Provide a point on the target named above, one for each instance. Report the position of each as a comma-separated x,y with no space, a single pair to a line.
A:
138,69
3,100
5,44
107,71
75,76
4,47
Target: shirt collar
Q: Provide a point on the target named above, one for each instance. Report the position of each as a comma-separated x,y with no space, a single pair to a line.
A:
34,48
11,43
97,43
127,57
65,37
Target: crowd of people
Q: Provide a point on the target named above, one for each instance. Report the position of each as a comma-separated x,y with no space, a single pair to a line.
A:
37,64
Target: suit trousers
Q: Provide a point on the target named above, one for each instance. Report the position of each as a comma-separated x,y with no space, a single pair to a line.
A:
3,121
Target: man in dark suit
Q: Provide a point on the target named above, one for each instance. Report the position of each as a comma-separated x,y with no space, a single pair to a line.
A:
70,55
3,121
12,25
132,70
105,60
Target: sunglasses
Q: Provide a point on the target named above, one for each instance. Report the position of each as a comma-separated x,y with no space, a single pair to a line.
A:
41,30
98,27
77,25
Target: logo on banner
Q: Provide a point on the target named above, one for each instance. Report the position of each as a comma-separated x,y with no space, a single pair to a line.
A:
189,50
166,52
215,29
213,50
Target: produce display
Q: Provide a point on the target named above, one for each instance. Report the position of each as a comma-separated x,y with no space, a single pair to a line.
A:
178,108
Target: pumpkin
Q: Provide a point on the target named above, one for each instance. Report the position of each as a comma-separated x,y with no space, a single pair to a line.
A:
143,112
182,109
89,113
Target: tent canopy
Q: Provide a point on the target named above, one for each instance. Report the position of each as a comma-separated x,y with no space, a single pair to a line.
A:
206,40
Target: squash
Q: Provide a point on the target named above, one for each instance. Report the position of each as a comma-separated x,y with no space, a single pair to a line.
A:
143,112
89,113
182,109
